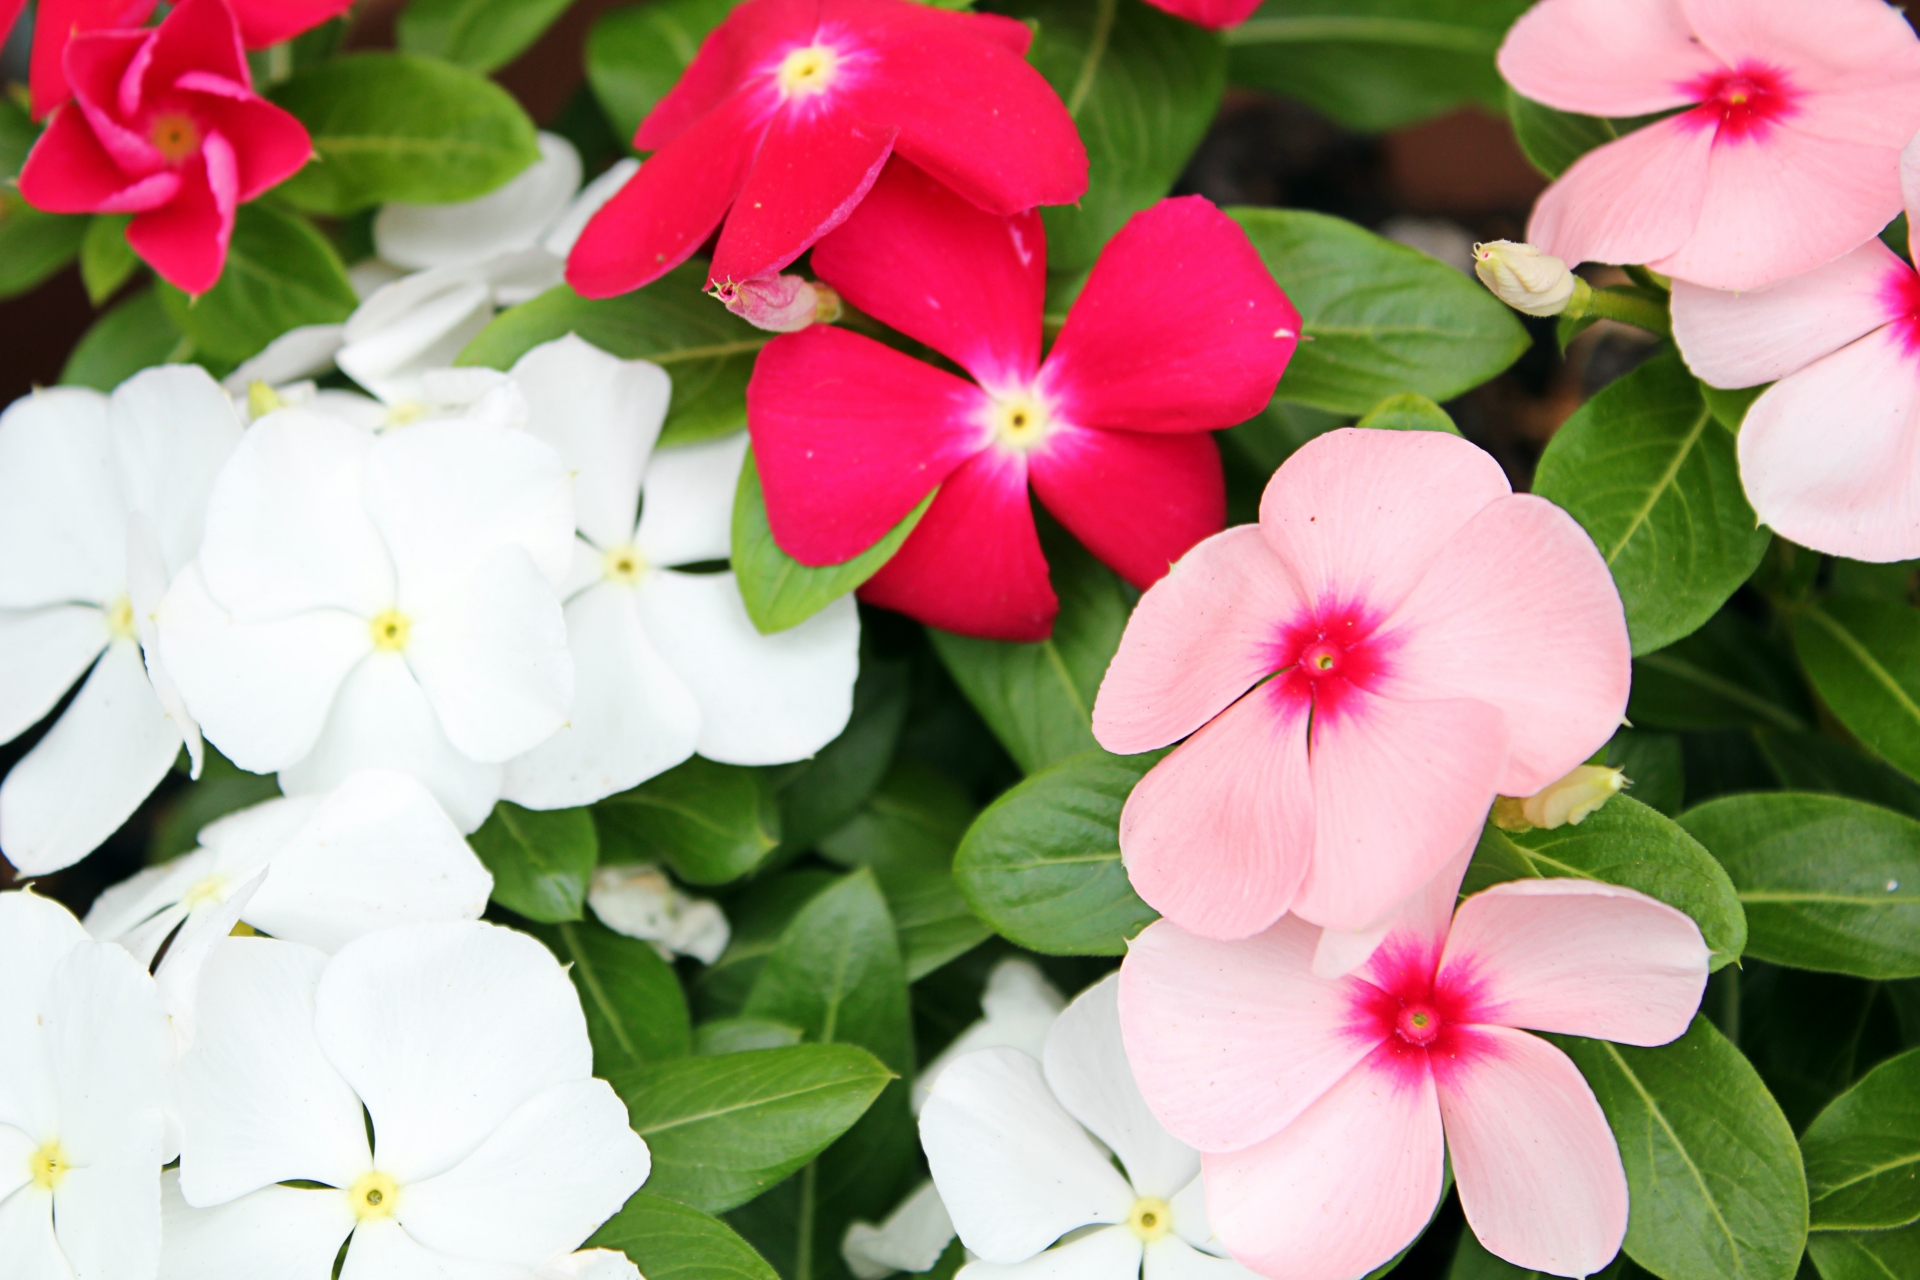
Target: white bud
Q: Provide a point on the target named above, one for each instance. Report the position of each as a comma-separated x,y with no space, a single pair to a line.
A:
642,903
1558,804
1524,278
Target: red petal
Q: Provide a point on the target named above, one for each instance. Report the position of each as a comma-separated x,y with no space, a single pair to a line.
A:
199,35
265,22
969,284
1180,327
186,241
1214,14
1139,502
55,24
68,171
747,41
849,436
973,563
269,144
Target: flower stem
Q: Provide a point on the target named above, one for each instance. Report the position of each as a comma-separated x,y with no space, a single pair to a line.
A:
1629,306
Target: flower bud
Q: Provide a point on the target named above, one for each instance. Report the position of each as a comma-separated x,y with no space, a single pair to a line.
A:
781,304
642,903
1569,800
1524,278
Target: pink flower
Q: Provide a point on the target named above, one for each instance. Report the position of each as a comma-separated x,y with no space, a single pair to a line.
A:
1416,638
789,111
1216,15
1179,330
166,127
1320,1105
1785,161
1827,454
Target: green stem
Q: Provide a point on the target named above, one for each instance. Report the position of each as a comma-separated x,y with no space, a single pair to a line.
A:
1622,305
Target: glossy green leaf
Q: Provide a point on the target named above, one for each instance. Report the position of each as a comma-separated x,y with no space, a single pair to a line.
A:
1653,479
1813,762
723,1129
1863,1152
1553,140
1712,1167
541,859
1808,1034
779,591
1042,863
107,261
134,334
480,35
830,788
710,822
636,1011
281,273
636,54
1625,843
707,349
1827,882
739,1035
18,133
34,245
1381,318
759,915
1864,658
1866,1255
1729,674
392,126
1408,411
1729,408
674,1241
1654,766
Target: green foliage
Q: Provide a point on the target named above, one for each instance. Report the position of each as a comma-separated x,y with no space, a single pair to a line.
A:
18,133
674,1241
480,35
1863,657
540,860
281,273
1729,674
831,788
710,822
1863,1152
1408,411
1553,140
34,245
1866,1255
107,261
133,334
636,54
636,1011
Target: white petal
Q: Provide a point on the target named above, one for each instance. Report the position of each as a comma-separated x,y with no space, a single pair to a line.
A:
1171,1258
137,900
688,513
419,322
444,1031
107,1040
590,1264
106,1211
1020,1006
539,1185
303,352
207,926
370,275
1190,1223
560,240
16,1148
522,275
1015,1170
62,521
363,413
602,414
911,1239
42,652
26,1237
513,216
173,429
244,842
276,1233
632,716
382,1250
1110,1254
106,754
763,699
35,935
375,853
1086,1067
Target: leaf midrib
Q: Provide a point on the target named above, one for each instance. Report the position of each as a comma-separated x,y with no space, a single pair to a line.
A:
1861,655
1665,483
759,1101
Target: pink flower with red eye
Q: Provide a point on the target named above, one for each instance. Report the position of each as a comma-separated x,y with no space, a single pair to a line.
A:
1324,1107
1783,158
1216,15
1826,454
1179,330
790,109
165,126
1398,640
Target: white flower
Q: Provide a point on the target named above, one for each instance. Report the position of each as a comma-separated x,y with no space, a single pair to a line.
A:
385,601
101,503
493,1148
667,662
84,1054
1020,1154
911,1239
641,902
591,1264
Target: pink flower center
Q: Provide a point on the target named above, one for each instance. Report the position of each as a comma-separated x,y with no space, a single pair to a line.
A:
1743,103
1418,1024
1902,296
1325,657
175,135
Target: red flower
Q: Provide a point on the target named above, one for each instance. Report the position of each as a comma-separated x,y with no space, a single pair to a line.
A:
1214,14
167,127
789,111
1179,330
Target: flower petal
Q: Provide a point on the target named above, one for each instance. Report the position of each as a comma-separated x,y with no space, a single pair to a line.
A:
63,526
269,143
381,1249
1137,501
1863,48
70,171
108,1047
1111,1253
1605,57
687,516
26,1237
1633,200
42,652
268,22
106,1210
1171,1258
409,326
185,240
514,216
173,429
35,934
275,1233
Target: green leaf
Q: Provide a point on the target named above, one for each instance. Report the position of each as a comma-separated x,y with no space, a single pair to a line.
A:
541,859
710,822
480,35
830,788
724,1129
1729,408
673,1241
1712,1167
1864,658
132,335
779,591
1727,675
708,350
1625,843
636,1011
635,55
1863,1152
1375,64
1042,863
1408,411
1811,762
738,1035
1653,765
1866,1255
18,133
759,915
1380,318
1653,479
1142,86
1828,883
1553,140
280,274
392,126
34,245
107,261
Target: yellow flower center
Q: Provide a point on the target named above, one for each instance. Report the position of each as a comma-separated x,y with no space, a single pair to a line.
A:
624,564
390,630
120,620
174,135
48,1165
1021,422
374,1196
406,413
807,70
1151,1218
262,399
207,892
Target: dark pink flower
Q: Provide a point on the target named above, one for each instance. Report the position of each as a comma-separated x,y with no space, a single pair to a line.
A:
787,115
1214,14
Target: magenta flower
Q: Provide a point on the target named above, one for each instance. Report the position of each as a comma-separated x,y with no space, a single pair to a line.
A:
1398,640
790,109
1785,159
1216,15
1322,1107
1179,330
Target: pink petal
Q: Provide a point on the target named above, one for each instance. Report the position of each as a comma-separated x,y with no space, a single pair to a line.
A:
1357,516
973,564
198,35
969,284
1401,950
1523,581
1231,1042
1630,201
69,172
1539,1174
1828,456
1605,57
1214,14
269,144
749,37
812,169
1199,638
1180,327
1137,501
1855,61
1577,957
95,65
1398,787
55,24
850,435
9,14
1340,1190
185,242
1744,339
268,22
1217,837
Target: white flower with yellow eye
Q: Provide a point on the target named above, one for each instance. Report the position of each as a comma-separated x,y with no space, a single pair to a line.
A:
429,1094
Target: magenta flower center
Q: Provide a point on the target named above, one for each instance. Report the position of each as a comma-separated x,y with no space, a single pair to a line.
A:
1419,1024
1743,103
175,135
1324,658
1902,296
